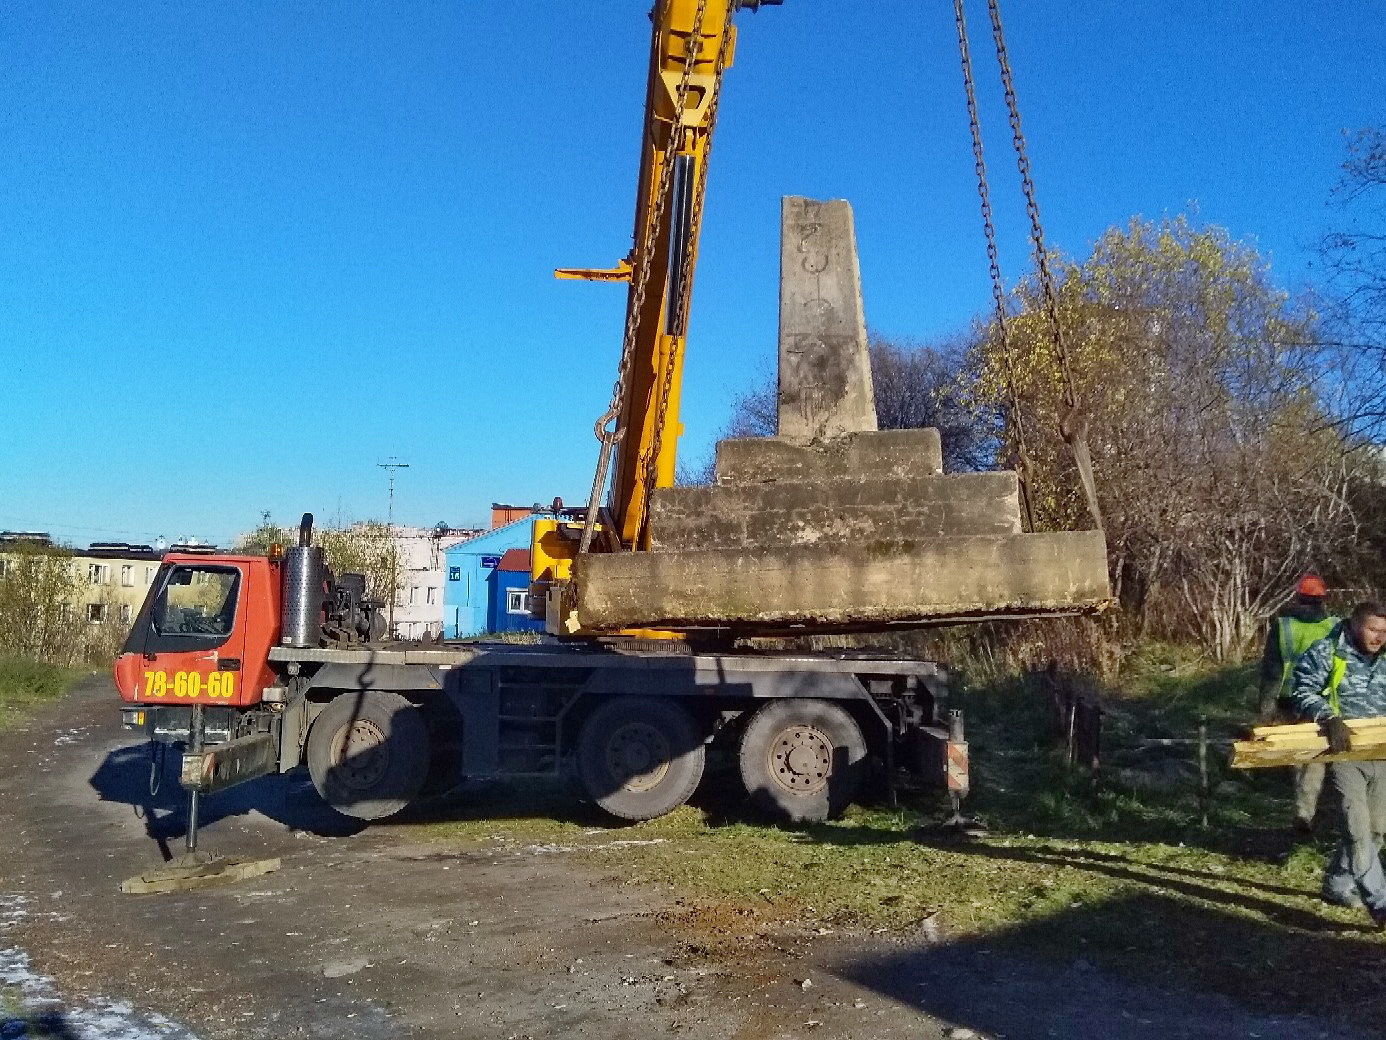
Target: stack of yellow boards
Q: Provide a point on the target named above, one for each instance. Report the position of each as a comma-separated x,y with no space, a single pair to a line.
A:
1297,744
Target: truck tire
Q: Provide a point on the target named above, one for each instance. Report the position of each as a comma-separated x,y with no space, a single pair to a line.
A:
802,759
368,753
640,757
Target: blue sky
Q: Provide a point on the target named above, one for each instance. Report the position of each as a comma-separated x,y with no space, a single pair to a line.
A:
249,250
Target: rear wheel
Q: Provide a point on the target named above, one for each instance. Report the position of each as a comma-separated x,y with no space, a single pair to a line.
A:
368,753
640,757
802,759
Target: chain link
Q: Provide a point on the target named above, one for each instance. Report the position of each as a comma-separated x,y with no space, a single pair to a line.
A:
1072,424
998,290
609,437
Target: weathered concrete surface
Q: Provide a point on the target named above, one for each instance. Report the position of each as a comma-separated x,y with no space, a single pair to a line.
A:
893,454
825,369
892,581
834,511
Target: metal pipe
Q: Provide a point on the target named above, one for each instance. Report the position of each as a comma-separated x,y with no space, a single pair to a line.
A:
195,743
1203,768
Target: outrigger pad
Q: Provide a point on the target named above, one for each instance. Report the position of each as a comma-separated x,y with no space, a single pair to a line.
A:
861,583
197,871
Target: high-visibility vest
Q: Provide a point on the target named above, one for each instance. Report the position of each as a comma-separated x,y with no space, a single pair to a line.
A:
1296,637
1335,676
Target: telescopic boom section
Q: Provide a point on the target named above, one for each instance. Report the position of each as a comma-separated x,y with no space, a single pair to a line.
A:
692,44
673,164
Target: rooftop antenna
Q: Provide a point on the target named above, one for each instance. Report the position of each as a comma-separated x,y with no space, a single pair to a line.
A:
389,466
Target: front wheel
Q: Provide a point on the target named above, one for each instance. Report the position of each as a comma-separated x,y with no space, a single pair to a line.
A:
640,757
802,759
368,753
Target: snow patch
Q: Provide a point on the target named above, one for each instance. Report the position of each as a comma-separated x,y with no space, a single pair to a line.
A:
44,1012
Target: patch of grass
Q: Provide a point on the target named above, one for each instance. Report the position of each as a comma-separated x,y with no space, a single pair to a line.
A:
25,684
11,1003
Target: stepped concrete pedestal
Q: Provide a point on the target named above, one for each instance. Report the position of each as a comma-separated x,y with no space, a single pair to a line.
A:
833,523
846,586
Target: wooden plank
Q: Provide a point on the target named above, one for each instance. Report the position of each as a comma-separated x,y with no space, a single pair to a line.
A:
1260,754
1296,728
175,878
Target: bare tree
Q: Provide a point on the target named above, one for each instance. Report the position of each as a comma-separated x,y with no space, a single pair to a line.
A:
1355,258
917,385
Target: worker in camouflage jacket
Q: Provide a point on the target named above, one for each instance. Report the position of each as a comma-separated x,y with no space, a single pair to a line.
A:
1302,622
1340,677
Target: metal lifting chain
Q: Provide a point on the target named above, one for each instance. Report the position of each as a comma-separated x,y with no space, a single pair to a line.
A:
685,286
1072,424
610,436
998,290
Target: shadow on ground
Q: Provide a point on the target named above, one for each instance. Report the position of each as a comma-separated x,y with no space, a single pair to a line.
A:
1201,972
129,776
48,1026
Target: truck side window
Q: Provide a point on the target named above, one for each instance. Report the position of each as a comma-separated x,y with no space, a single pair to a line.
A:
197,601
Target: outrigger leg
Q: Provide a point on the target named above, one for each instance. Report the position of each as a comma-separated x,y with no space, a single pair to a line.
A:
196,869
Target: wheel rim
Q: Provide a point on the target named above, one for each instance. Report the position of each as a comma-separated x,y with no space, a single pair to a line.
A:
360,755
637,756
800,759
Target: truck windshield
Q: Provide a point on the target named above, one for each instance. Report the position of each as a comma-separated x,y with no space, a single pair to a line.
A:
197,601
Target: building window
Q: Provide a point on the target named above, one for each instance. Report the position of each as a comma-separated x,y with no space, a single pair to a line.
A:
149,575
413,595
64,611
99,574
4,566
431,597
96,613
127,575
517,601
125,613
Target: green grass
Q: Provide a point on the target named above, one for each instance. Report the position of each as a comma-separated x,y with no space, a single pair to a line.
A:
25,684
1111,871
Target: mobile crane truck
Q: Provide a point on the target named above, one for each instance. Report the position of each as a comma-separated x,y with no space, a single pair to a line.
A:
260,665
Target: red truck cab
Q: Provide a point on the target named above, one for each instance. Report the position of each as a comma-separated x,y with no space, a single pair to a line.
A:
204,633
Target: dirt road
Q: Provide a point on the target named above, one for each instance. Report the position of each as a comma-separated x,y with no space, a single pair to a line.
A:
374,933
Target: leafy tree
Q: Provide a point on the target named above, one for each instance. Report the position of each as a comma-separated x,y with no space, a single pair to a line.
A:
38,586
1218,473
364,547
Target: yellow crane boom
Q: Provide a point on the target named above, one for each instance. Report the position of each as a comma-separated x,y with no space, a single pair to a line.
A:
692,44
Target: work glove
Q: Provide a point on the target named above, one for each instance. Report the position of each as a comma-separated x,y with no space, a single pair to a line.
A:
1338,734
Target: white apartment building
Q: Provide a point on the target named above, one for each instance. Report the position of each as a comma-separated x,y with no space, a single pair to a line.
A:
419,591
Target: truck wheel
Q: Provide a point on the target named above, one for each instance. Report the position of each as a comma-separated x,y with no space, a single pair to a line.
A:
640,757
368,753
802,759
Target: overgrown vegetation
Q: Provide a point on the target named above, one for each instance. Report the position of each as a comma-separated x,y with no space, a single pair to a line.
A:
364,547
25,684
41,617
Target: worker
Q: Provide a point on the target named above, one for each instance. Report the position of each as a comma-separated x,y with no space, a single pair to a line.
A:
1302,621
1338,678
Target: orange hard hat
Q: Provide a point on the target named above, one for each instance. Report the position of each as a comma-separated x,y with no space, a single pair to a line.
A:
1311,585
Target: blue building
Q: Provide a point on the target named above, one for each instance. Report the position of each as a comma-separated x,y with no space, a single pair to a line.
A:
509,609
478,596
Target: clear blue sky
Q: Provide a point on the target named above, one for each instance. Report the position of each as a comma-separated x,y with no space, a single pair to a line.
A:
248,250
